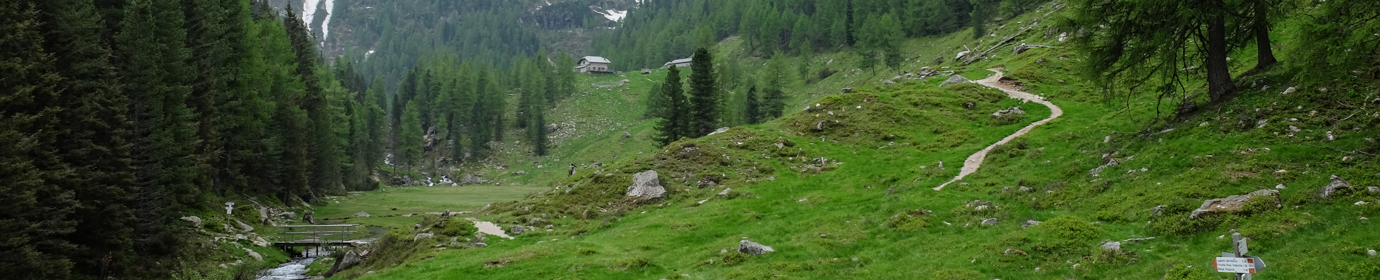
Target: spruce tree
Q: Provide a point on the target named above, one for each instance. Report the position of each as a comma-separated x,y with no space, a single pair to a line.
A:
483,115
891,37
565,75
753,115
325,172
153,60
34,217
94,111
773,97
674,114
704,98
411,146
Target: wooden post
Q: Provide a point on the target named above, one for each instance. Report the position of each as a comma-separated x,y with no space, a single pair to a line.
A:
1236,248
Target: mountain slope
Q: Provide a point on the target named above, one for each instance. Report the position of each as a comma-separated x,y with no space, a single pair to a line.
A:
853,198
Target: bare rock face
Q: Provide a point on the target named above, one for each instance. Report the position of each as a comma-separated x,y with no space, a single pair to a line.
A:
753,248
1333,187
955,79
646,185
1233,204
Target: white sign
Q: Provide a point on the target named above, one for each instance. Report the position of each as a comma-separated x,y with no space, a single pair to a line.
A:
1234,265
1241,247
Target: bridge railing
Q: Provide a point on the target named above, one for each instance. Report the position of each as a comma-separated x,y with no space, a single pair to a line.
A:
316,233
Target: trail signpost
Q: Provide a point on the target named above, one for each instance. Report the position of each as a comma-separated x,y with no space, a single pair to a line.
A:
1238,262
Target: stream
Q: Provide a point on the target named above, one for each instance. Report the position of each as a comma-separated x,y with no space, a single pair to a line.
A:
297,268
293,270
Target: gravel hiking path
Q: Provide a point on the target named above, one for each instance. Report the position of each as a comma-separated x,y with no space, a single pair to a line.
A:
974,161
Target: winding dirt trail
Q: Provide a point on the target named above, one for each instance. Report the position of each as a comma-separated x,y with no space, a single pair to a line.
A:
974,161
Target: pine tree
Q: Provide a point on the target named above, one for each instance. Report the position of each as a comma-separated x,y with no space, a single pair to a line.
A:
1132,51
538,129
754,107
980,15
672,125
34,216
152,57
773,97
484,114
96,139
377,124
565,75
325,172
891,37
704,98
411,146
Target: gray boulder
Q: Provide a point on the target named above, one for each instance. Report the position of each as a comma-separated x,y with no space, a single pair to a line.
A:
846,90
726,190
1233,204
196,221
243,226
349,260
1008,112
253,254
627,135
1333,187
362,214
423,235
1024,47
955,79
646,185
471,179
1111,246
1373,189
753,248
1030,223
989,222
551,128
516,230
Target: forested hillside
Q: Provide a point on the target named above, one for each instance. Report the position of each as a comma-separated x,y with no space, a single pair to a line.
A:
122,116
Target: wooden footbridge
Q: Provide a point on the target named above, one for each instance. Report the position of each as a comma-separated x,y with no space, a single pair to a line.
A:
315,236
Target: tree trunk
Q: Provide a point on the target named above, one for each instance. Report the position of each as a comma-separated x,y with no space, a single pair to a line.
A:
1219,77
1266,56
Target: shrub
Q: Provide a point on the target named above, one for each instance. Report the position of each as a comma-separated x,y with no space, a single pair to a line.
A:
1070,228
734,258
910,221
456,227
634,262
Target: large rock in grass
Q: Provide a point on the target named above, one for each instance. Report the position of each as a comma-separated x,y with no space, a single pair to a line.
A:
955,79
349,260
471,179
1233,204
1008,112
753,248
196,221
1337,184
362,214
646,186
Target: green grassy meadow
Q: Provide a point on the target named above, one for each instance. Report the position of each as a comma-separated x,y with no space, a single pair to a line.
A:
854,199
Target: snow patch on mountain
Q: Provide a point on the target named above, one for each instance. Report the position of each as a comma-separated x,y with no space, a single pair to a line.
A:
614,15
309,13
